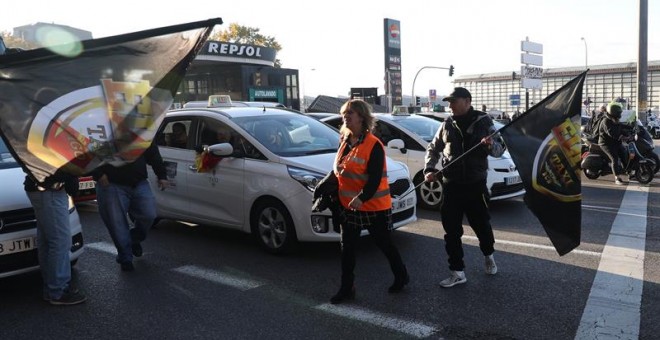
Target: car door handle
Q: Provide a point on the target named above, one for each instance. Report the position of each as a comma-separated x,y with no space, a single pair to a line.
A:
192,168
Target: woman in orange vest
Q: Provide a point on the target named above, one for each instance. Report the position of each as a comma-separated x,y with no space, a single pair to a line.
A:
364,194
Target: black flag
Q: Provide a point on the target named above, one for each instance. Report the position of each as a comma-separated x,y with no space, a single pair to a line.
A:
80,105
545,144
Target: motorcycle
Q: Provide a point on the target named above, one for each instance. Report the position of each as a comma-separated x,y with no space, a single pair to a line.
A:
643,142
654,127
595,163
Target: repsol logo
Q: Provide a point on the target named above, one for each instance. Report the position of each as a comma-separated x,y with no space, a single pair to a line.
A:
234,49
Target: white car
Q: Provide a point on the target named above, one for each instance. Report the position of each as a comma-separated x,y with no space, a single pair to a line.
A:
18,231
406,137
263,184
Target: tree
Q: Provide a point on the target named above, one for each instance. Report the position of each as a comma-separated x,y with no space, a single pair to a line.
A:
238,34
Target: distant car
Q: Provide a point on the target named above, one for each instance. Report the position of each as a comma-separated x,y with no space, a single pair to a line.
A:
406,137
270,162
18,231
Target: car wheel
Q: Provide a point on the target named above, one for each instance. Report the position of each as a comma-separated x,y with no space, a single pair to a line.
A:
429,195
272,227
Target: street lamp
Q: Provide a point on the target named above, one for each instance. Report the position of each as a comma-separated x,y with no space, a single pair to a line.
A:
586,66
420,70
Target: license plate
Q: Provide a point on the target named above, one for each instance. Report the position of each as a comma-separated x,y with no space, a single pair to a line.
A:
86,185
512,180
17,246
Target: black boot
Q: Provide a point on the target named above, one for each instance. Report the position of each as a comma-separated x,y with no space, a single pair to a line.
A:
344,294
400,281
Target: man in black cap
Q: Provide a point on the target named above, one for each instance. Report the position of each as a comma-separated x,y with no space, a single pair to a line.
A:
464,190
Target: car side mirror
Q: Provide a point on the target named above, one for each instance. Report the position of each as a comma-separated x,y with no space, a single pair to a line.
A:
222,149
397,144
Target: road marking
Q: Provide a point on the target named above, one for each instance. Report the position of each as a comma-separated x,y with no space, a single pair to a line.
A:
219,277
408,327
614,304
532,245
103,246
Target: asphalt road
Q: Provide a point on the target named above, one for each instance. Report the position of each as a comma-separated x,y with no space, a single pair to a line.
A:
195,282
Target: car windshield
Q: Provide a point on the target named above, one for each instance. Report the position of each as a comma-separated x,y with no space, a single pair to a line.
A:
6,159
421,126
291,135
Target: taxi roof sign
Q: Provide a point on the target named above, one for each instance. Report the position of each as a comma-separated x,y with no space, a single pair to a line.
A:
219,100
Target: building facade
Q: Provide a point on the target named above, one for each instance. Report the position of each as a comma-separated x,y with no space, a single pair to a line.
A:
244,72
498,91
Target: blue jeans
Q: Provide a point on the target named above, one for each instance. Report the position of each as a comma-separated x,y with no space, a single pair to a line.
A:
53,240
115,203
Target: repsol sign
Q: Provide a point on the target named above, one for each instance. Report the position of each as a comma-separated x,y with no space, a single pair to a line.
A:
225,49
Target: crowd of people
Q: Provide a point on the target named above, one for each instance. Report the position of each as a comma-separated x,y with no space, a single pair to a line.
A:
456,156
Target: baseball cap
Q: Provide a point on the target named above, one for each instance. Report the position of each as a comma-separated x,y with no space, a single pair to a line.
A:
459,92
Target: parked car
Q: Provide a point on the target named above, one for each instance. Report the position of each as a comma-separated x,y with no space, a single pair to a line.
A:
406,137
271,160
18,231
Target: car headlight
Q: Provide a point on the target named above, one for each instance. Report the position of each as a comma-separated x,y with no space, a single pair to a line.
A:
307,178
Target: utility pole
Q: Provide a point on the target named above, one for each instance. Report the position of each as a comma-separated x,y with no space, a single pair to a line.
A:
642,61
586,67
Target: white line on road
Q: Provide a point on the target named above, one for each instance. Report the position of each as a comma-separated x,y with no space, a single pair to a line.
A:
613,308
408,327
103,246
532,245
219,277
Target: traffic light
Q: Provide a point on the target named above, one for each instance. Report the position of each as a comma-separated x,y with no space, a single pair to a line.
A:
451,70
418,101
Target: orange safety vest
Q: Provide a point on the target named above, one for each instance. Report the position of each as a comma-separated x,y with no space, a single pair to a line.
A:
352,175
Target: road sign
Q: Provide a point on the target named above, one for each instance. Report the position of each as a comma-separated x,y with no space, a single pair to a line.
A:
514,99
531,72
531,47
529,83
531,59
432,95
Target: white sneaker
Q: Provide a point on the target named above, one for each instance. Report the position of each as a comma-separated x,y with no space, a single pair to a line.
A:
456,278
491,267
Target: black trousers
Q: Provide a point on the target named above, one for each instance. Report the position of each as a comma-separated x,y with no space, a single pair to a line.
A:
379,231
470,200
614,153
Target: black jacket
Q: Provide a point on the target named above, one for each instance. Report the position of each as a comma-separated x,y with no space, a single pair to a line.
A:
60,180
132,173
326,197
456,136
609,131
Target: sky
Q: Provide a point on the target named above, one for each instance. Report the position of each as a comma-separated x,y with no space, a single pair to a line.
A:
338,44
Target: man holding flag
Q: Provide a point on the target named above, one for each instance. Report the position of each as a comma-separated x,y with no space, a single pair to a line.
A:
462,144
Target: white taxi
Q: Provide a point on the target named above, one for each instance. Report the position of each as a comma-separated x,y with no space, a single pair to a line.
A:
271,160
